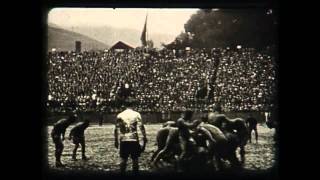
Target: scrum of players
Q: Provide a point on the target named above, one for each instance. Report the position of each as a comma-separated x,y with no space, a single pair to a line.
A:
187,143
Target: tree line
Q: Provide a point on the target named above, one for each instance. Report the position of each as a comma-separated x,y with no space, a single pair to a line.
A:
210,28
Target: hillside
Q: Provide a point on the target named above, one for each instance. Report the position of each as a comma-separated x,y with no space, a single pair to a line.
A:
64,40
110,35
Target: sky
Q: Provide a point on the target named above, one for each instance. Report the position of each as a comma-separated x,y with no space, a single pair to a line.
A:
167,21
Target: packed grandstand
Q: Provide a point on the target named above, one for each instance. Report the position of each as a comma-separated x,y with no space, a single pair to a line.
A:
240,79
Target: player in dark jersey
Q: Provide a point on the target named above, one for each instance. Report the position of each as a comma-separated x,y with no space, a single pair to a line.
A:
77,135
186,141
252,126
59,129
235,129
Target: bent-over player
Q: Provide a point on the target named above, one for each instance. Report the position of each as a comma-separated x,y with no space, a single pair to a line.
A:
59,129
77,136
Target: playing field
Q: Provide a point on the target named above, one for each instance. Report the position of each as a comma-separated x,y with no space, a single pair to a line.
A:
103,156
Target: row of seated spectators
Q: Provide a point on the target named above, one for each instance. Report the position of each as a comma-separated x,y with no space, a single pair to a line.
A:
239,79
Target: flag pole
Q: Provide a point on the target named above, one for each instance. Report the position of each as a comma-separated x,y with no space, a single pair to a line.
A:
147,28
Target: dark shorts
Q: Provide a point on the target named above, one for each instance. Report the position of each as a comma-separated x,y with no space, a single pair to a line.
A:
57,141
131,148
56,138
77,140
253,127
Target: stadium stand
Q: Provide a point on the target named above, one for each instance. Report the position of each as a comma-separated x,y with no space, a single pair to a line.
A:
239,79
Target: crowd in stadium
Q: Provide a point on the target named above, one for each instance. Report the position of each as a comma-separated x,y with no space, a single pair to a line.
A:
246,80
239,79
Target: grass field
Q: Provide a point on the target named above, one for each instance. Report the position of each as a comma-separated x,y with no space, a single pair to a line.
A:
103,156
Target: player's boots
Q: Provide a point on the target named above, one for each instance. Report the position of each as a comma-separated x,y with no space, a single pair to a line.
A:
59,164
84,157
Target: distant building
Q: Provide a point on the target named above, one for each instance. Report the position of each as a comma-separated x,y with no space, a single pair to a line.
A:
121,46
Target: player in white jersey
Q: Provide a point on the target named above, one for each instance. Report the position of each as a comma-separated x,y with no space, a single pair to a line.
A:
127,139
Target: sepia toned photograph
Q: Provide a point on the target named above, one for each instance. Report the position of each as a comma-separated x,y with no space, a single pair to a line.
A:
162,90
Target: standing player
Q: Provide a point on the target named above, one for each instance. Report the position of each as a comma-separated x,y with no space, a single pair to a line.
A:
59,128
77,135
126,132
252,126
